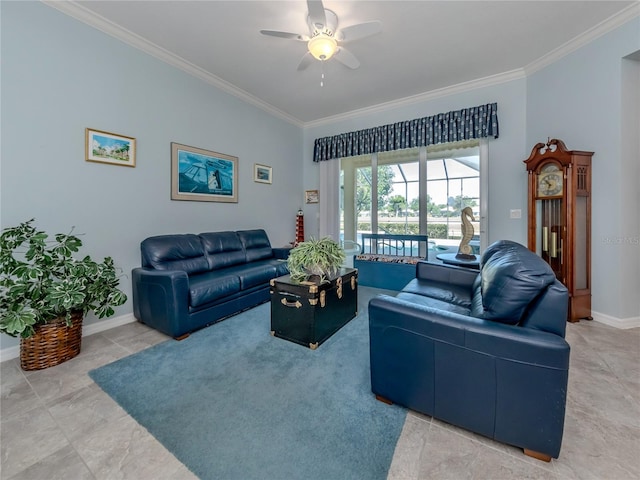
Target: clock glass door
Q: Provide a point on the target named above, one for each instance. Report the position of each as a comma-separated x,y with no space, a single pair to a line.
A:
550,233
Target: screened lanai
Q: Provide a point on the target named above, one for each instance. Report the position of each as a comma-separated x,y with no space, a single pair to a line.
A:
411,191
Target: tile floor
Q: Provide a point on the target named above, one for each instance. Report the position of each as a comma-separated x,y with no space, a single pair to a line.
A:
601,432
57,424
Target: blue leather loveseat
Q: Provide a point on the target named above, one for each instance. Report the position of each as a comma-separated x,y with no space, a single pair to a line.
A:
189,281
484,351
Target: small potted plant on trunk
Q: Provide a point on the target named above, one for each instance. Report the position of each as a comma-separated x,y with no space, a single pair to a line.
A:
45,292
315,260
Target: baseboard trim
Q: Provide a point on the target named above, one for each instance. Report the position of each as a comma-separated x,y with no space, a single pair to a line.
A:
107,324
621,323
9,353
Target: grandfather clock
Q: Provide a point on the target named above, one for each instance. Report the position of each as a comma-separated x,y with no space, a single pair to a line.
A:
560,218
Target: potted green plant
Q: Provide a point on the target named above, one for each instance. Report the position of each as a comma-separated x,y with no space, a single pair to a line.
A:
315,260
45,292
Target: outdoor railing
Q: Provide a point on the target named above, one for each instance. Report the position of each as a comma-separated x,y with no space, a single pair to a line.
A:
395,244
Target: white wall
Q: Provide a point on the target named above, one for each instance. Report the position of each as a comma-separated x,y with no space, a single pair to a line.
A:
60,76
629,241
579,99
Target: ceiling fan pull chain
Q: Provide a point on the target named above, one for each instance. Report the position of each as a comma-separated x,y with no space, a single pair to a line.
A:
322,73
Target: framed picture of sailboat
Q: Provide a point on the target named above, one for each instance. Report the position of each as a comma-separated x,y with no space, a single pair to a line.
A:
203,175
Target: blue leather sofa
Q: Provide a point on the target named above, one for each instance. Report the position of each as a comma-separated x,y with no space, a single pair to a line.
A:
189,281
484,351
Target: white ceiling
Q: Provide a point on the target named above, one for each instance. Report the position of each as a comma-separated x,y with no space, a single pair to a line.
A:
424,46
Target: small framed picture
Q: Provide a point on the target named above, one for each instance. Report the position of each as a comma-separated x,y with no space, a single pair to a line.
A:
202,175
262,173
311,196
105,147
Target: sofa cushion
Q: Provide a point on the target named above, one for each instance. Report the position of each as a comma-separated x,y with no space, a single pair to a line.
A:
223,249
210,286
512,277
256,244
447,292
432,302
174,252
281,266
253,274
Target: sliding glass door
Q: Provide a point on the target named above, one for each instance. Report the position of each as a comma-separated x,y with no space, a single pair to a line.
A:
413,191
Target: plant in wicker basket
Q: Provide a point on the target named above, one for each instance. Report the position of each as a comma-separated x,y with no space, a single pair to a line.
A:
45,292
315,258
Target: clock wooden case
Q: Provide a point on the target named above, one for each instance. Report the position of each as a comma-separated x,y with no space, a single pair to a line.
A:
559,218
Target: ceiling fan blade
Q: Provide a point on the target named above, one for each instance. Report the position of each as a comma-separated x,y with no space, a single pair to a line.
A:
287,35
316,14
361,30
347,58
306,60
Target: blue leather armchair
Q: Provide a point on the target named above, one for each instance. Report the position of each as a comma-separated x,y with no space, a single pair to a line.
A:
189,281
483,351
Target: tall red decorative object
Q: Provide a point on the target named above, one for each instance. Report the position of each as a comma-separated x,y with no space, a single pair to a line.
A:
299,227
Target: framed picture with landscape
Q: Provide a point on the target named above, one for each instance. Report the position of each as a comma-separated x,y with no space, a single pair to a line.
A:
262,173
105,147
311,196
202,175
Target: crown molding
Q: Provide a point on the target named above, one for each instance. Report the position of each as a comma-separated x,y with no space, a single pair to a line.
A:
73,9
423,97
606,26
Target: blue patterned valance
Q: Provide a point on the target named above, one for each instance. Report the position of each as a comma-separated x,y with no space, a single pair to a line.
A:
465,124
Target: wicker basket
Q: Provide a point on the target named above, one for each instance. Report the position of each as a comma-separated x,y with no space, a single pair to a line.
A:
52,344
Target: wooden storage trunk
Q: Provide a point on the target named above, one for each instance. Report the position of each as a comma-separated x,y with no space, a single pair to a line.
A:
307,313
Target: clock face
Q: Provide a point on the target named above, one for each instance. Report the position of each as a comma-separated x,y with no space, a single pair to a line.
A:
550,181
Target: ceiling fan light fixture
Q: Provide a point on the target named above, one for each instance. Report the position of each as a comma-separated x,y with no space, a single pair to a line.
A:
322,46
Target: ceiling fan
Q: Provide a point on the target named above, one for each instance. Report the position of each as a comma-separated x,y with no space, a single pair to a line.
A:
325,41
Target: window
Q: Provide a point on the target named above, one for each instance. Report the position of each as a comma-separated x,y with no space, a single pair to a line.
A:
413,191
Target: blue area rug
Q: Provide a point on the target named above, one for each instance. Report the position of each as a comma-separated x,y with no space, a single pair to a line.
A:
233,402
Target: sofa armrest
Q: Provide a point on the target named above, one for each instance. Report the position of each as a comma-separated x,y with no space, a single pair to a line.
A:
161,299
439,272
281,253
